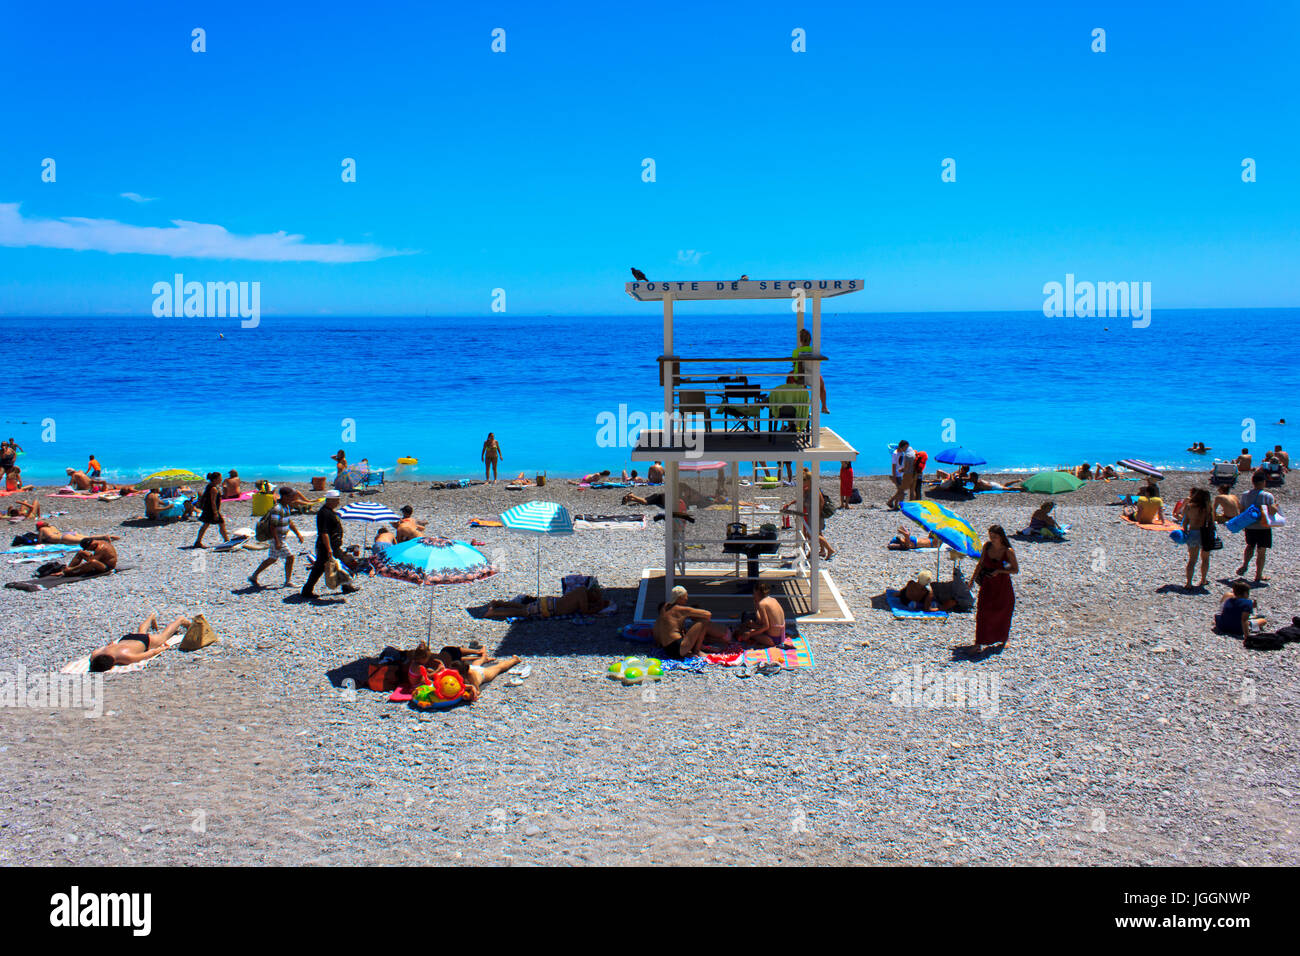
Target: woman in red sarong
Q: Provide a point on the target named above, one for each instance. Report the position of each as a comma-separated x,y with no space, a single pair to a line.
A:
997,600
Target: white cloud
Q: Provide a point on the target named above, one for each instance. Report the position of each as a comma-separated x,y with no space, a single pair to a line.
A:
136,197
180,240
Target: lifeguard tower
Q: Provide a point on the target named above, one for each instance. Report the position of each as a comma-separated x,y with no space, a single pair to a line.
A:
722,414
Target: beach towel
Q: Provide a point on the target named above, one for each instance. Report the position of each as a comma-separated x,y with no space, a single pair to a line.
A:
43,549
604,522
44,584
899,611
998,491
81,665
485,523
95,495
245,496
797,655
1165,525
609,484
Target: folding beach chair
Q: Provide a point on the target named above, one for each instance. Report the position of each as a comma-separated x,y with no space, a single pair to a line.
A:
1224,474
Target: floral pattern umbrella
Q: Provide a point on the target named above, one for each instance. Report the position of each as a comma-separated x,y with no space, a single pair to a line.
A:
431,560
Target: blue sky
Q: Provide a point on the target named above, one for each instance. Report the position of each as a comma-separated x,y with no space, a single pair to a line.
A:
522,170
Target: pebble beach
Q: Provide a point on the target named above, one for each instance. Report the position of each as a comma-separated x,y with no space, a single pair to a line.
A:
1115,728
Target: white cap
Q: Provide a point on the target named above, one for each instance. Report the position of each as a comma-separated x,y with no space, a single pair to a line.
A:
333,493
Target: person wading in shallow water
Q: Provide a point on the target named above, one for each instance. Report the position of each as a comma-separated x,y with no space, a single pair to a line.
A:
490,455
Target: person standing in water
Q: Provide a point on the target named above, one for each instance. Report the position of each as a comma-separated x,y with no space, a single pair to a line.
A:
490,455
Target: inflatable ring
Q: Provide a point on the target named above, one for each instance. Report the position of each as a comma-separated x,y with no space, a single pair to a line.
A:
408,461
634,670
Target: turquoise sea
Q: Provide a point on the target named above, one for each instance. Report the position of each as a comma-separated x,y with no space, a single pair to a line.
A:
1022,390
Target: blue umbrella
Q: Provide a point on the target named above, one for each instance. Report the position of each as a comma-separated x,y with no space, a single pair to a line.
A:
959,456
430,560
539,518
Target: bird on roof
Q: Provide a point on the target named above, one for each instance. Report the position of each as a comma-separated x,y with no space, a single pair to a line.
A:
639,275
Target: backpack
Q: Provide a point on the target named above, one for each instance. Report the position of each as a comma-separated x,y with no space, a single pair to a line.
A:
921,459
26,540
48,568
263,530
828,509
856,497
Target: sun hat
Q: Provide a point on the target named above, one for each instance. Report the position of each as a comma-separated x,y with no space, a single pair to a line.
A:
333,493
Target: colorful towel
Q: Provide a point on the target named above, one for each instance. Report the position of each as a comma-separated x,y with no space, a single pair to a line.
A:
81,665
485,523
899,611
243,497
1165,525
798,654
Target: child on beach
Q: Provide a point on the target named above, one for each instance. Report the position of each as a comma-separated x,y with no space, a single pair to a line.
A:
1235,615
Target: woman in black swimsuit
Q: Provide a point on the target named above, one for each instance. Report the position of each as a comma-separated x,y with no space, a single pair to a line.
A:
133,648
210,509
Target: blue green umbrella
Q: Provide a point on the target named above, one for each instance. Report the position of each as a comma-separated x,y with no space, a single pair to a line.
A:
539,518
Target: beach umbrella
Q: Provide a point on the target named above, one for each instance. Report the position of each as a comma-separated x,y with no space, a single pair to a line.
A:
368,511
701,465
960,456
169,477
431,560
1051,483
945,524
539,518
1141,467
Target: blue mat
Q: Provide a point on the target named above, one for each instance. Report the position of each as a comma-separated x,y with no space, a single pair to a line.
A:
896,607
43,549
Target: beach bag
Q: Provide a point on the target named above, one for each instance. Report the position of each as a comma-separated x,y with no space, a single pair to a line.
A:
263,530
48,568
382,677
828,509
26,540
856,497
332,573
198,634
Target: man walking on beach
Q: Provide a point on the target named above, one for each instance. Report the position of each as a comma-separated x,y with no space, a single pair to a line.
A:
329,543
1259,536
281,524
903,472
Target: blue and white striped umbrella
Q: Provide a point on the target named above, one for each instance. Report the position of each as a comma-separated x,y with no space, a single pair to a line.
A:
539,518
367,511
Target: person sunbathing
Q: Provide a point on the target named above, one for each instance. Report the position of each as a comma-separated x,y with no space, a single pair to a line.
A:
942,476
768,627
294,498
155,505
520,479
1106,472
916,595
577,601
983,484
954,595
80,481
1150,507
133,648
230,488
472,664
906,541
96,556
594,478
1083,471
385,536
25,509
655,499
681,630
52,535
408,528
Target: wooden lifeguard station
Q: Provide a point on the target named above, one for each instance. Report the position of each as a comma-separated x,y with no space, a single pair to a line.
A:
721,413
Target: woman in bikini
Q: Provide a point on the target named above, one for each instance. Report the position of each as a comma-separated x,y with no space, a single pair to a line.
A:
147,642
490,455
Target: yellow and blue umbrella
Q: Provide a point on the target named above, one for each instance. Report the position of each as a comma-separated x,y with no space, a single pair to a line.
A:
947,525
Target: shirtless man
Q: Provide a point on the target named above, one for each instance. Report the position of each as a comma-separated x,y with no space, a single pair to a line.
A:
680,630
52,535
1243,462
133,648
577,601
408,527
1225,506
768,628
1282,457
917,595
95,557
656,474
385,535
83,482
230,487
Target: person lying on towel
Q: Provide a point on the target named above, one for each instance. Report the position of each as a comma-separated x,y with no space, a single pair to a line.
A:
905,540
52,535
577,601
133,648
473,665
